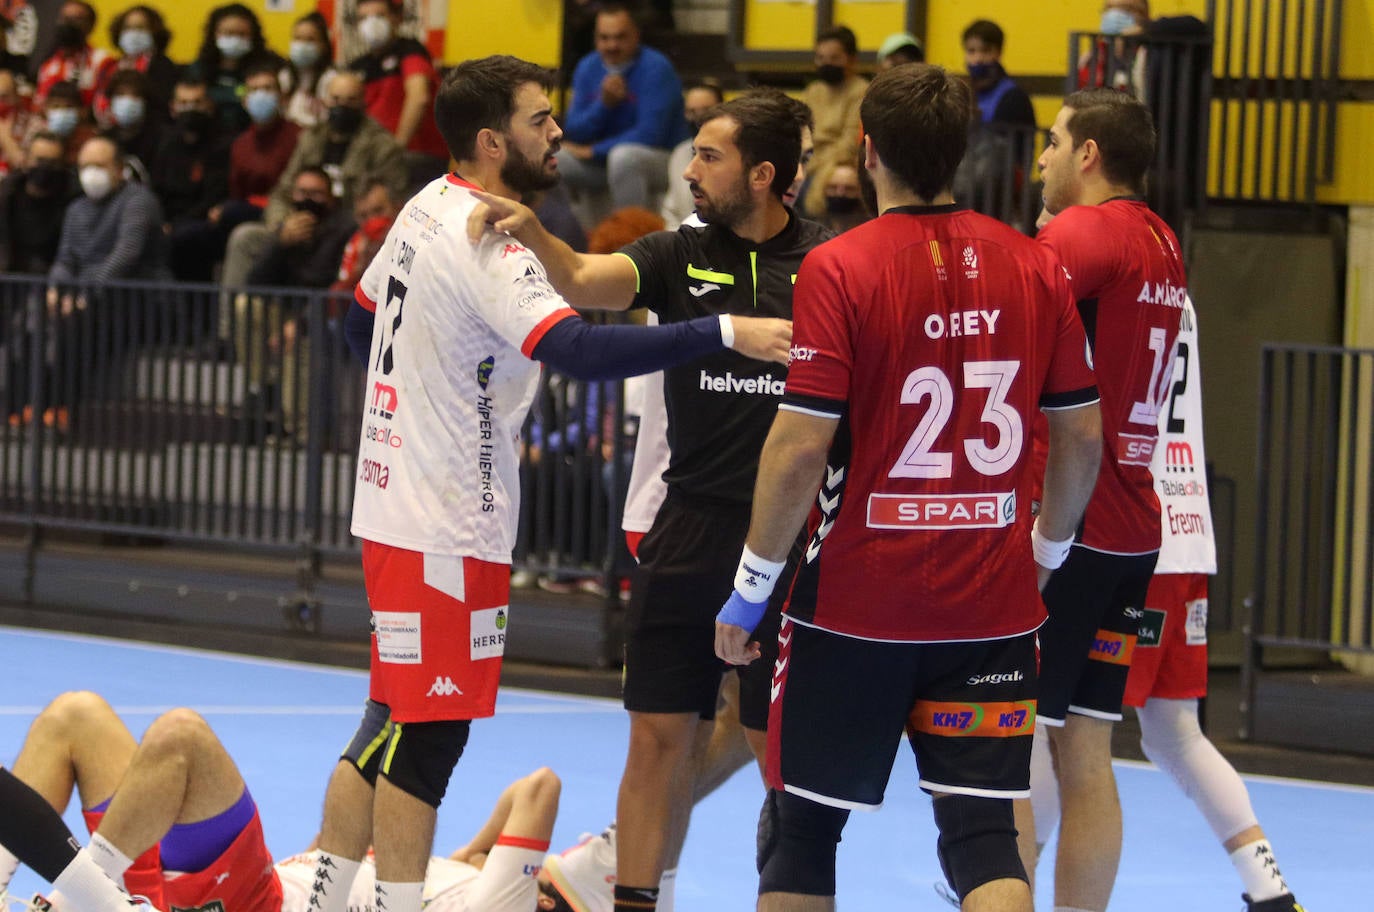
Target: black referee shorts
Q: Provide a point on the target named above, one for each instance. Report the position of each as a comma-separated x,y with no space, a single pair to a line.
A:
686,572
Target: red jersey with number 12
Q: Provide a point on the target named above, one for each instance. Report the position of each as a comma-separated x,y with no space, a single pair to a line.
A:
1127,276
934,334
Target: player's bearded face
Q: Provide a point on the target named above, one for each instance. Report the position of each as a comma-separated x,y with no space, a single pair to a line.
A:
525,174
727,206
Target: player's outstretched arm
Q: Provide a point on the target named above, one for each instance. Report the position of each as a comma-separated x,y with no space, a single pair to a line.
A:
790,470
586,281
1070,473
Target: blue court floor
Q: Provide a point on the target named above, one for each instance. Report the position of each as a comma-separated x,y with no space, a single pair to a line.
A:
285,724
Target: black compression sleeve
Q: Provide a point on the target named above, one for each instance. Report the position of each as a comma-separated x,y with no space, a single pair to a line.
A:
32,831
586,352
358,330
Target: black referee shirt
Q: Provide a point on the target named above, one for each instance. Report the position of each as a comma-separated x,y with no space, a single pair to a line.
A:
720,407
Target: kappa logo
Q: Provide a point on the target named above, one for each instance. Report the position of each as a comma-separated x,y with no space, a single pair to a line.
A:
511,248
443,687
704,288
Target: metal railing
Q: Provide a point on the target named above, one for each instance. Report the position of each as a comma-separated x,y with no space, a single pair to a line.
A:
1314,576
997,176
1173,76
196,414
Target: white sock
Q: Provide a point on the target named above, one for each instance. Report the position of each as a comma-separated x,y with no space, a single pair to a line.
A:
112,861
86,888
334,876
1258,871
8,865
400,897
666,884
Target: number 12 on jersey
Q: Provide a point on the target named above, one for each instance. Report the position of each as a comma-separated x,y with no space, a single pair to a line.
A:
920,459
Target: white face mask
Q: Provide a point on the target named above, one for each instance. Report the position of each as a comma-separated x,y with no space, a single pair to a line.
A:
305,54
233,46
375,31
135,41
96,181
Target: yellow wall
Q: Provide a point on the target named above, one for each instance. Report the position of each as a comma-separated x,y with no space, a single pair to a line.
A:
526,28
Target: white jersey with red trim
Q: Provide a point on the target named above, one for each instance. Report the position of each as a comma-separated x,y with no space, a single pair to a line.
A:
1180,464
647,489
449,380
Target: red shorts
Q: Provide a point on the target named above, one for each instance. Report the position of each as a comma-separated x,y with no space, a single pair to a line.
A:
1170,658
144,876
438,632
241,879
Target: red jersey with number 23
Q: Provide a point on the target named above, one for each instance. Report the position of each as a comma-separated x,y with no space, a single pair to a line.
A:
933,334
1127,275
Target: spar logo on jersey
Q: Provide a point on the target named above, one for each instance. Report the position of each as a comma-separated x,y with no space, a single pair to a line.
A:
484,368
801,353
1135,449
913,512
384,402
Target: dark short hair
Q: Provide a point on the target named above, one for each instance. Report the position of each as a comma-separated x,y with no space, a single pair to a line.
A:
315,171
986,31
157,26
479,95
45,136
767,129
261,66
392,6
191,80
709,86
105,137
907,53
612,7
66,91
128,79
917,116
1123,129
90,10
844,35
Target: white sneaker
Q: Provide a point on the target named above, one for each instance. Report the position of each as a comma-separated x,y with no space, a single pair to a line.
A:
585,873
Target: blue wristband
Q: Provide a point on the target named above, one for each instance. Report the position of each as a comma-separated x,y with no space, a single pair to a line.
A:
741,612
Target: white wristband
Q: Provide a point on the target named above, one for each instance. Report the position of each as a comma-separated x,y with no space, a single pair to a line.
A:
727,331
756,577
1049,554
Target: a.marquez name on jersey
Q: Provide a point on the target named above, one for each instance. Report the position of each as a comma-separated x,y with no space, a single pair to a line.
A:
756,386
1165,293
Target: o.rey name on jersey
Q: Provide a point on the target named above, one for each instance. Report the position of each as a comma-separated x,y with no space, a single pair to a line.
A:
932,372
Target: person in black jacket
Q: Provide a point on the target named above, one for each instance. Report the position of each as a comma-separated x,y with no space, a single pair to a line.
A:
33,202
190,176
310,242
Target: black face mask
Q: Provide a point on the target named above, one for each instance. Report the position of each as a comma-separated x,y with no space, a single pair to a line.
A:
830,74
345,120
69,35
47,177
314,207
842,205
194,123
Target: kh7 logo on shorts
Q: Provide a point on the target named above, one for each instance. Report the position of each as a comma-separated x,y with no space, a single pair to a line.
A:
981,720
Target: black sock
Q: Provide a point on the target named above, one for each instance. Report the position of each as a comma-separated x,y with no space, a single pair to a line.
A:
32,830
635,899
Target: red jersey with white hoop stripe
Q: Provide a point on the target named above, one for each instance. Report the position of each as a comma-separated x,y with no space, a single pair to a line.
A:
1127,275
449,380
933,334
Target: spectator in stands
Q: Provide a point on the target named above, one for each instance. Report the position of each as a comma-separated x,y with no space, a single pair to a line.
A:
191,175
844,204
142,38
677,200
309,69
66,116
400,84
624,120
260,154
113,231
233,40
14,122
1000,100
9,60
374,212
73,59
33,201
135,122
349,146
899,48
834,98
310,242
